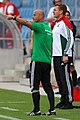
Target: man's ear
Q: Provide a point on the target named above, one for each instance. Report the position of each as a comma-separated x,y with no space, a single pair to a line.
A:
61,11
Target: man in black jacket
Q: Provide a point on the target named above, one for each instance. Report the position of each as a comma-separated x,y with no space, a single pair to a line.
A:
72,67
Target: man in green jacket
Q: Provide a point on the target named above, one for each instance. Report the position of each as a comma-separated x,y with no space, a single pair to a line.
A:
41,59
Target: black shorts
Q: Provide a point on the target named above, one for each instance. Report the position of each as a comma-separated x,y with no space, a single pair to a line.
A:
40,71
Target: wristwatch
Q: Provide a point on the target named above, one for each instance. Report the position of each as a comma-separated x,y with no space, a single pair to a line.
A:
14,17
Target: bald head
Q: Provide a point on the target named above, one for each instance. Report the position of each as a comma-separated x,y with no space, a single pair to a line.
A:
38,15
40,12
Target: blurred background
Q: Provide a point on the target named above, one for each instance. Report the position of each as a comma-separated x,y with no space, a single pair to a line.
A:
13,42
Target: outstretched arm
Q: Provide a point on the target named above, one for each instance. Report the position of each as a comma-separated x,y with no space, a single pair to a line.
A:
20,20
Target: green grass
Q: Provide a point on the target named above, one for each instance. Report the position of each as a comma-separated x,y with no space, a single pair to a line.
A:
23,103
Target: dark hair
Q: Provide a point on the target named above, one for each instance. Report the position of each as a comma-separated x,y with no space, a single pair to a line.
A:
62,7
55,2
68,12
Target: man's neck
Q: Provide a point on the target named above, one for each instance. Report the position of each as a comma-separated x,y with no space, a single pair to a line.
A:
41,20
60,17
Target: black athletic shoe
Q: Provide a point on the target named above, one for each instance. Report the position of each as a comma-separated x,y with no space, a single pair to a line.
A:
59,105
67,106
53,112
33,113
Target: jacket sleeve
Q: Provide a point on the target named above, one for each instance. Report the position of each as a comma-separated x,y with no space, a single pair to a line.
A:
70,41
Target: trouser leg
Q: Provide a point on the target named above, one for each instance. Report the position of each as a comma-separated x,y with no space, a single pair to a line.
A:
35,81
62,75
74,78
36,100
50,95
47,85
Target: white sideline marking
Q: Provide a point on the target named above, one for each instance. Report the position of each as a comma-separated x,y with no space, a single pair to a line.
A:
9,118
11,109
20,102
61,119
